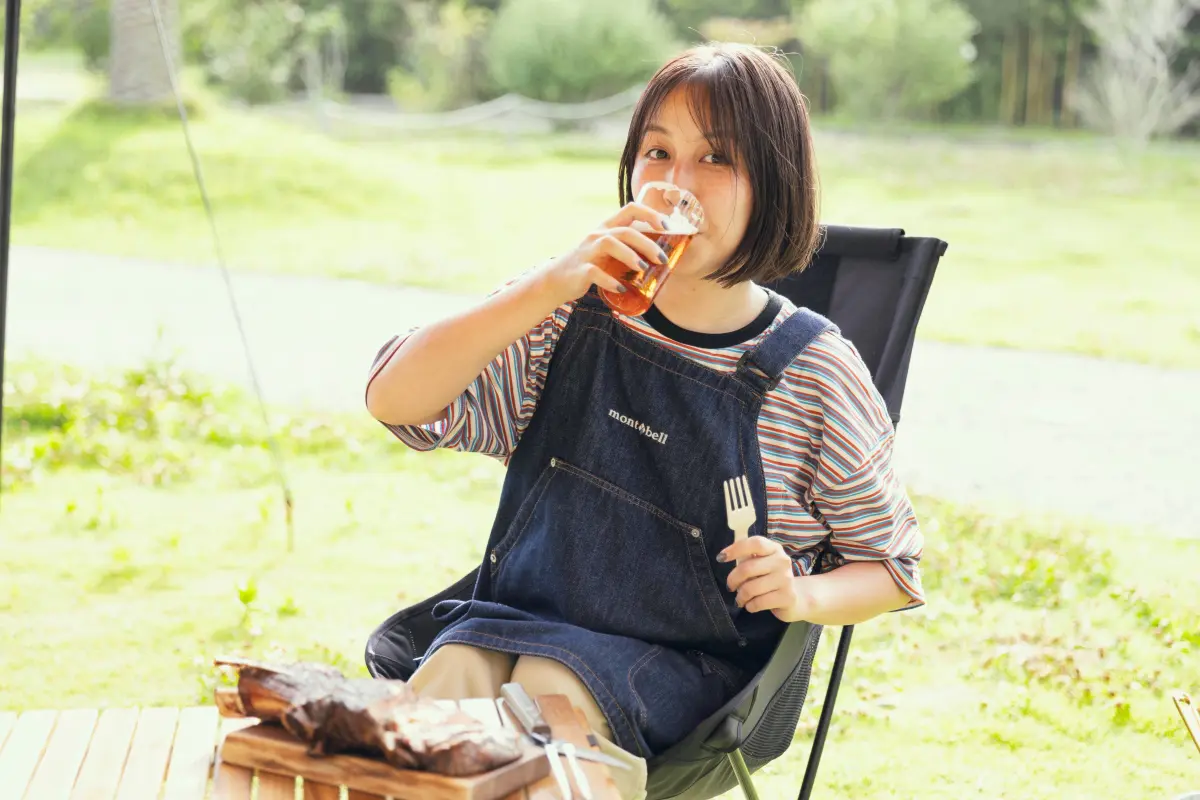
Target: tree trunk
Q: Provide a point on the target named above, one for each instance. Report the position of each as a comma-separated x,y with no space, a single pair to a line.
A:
1009,76
1071,73
1034,79
137,72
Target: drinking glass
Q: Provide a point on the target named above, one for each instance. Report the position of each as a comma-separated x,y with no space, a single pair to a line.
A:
684,220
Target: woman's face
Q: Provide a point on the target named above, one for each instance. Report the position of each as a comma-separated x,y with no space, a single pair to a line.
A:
675,150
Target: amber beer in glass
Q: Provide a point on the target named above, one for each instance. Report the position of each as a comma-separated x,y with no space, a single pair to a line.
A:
685,217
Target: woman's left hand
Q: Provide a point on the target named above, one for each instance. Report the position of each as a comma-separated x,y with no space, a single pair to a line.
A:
763,578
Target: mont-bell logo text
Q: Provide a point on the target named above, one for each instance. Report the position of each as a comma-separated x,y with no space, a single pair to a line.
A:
640,427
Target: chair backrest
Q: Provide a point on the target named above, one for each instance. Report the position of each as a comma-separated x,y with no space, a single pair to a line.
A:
872,283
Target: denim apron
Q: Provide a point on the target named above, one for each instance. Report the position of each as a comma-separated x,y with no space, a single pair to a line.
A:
602,556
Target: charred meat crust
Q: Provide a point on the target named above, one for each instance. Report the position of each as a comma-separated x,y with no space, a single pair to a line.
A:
375,718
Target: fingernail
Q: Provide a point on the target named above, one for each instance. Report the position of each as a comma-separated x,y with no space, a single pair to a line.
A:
721,557
666,222
662,256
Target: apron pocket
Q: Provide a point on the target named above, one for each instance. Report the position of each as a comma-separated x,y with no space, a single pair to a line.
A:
672,695
587,552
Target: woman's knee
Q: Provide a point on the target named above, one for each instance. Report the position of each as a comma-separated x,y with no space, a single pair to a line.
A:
546,676
459,672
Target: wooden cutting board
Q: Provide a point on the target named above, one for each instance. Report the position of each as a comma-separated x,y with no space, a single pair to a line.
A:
271,748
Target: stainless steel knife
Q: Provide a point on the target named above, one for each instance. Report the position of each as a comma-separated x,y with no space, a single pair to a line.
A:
536,727
530,716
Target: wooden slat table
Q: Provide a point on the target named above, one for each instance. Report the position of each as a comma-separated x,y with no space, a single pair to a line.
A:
174,754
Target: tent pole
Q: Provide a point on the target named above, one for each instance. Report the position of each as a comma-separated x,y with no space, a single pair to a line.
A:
8,118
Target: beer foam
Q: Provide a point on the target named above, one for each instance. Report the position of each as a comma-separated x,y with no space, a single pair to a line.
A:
676,223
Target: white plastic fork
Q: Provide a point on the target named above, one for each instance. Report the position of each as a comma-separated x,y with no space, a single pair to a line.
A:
739,507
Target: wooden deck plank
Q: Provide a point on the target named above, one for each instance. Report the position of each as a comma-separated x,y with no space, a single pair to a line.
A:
148,754
63,759
7,720
273,786
105,760
483,710
356,795
192,756
231,782
322,791
21,755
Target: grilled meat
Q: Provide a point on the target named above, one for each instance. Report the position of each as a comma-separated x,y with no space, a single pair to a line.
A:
375,718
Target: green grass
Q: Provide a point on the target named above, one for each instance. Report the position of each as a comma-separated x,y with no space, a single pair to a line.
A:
1058,243
1041,666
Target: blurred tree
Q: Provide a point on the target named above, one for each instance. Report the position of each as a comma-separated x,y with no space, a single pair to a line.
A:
890,58
375,34
444,51
261,51
92,33
1029,55
1133,89
691,16
769,33
45,24
575,50
138,71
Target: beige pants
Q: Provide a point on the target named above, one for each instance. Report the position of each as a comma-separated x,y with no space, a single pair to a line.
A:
459,671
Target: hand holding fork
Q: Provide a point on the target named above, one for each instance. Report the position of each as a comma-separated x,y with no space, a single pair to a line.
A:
739,507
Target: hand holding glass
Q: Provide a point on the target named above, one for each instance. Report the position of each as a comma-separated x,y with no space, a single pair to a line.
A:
684,217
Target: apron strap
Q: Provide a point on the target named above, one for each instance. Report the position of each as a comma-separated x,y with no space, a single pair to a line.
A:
762,367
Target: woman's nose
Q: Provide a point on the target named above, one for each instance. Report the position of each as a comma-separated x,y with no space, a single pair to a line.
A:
681,176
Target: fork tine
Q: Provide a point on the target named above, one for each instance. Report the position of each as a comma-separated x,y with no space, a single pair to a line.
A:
746,491
728,498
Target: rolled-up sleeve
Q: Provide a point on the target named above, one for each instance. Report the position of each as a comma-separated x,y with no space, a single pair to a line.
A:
495,409
855,488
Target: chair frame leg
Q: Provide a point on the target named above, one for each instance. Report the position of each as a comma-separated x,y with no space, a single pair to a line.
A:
835,681
743,775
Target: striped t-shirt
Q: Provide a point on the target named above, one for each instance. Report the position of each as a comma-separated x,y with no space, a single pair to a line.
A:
824,433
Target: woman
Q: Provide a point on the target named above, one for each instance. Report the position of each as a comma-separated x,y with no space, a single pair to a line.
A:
611,575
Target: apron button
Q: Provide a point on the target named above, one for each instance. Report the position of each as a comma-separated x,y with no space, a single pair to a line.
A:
492,557
695,533
554,462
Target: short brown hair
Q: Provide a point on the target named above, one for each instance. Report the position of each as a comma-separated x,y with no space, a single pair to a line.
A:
750,104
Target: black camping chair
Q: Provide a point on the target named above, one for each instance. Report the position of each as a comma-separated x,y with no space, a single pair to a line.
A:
872,283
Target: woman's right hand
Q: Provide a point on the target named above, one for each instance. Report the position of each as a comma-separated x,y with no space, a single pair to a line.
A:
573,273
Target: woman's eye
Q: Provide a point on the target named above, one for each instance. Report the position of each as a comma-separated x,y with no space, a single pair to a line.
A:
716,158
656,153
